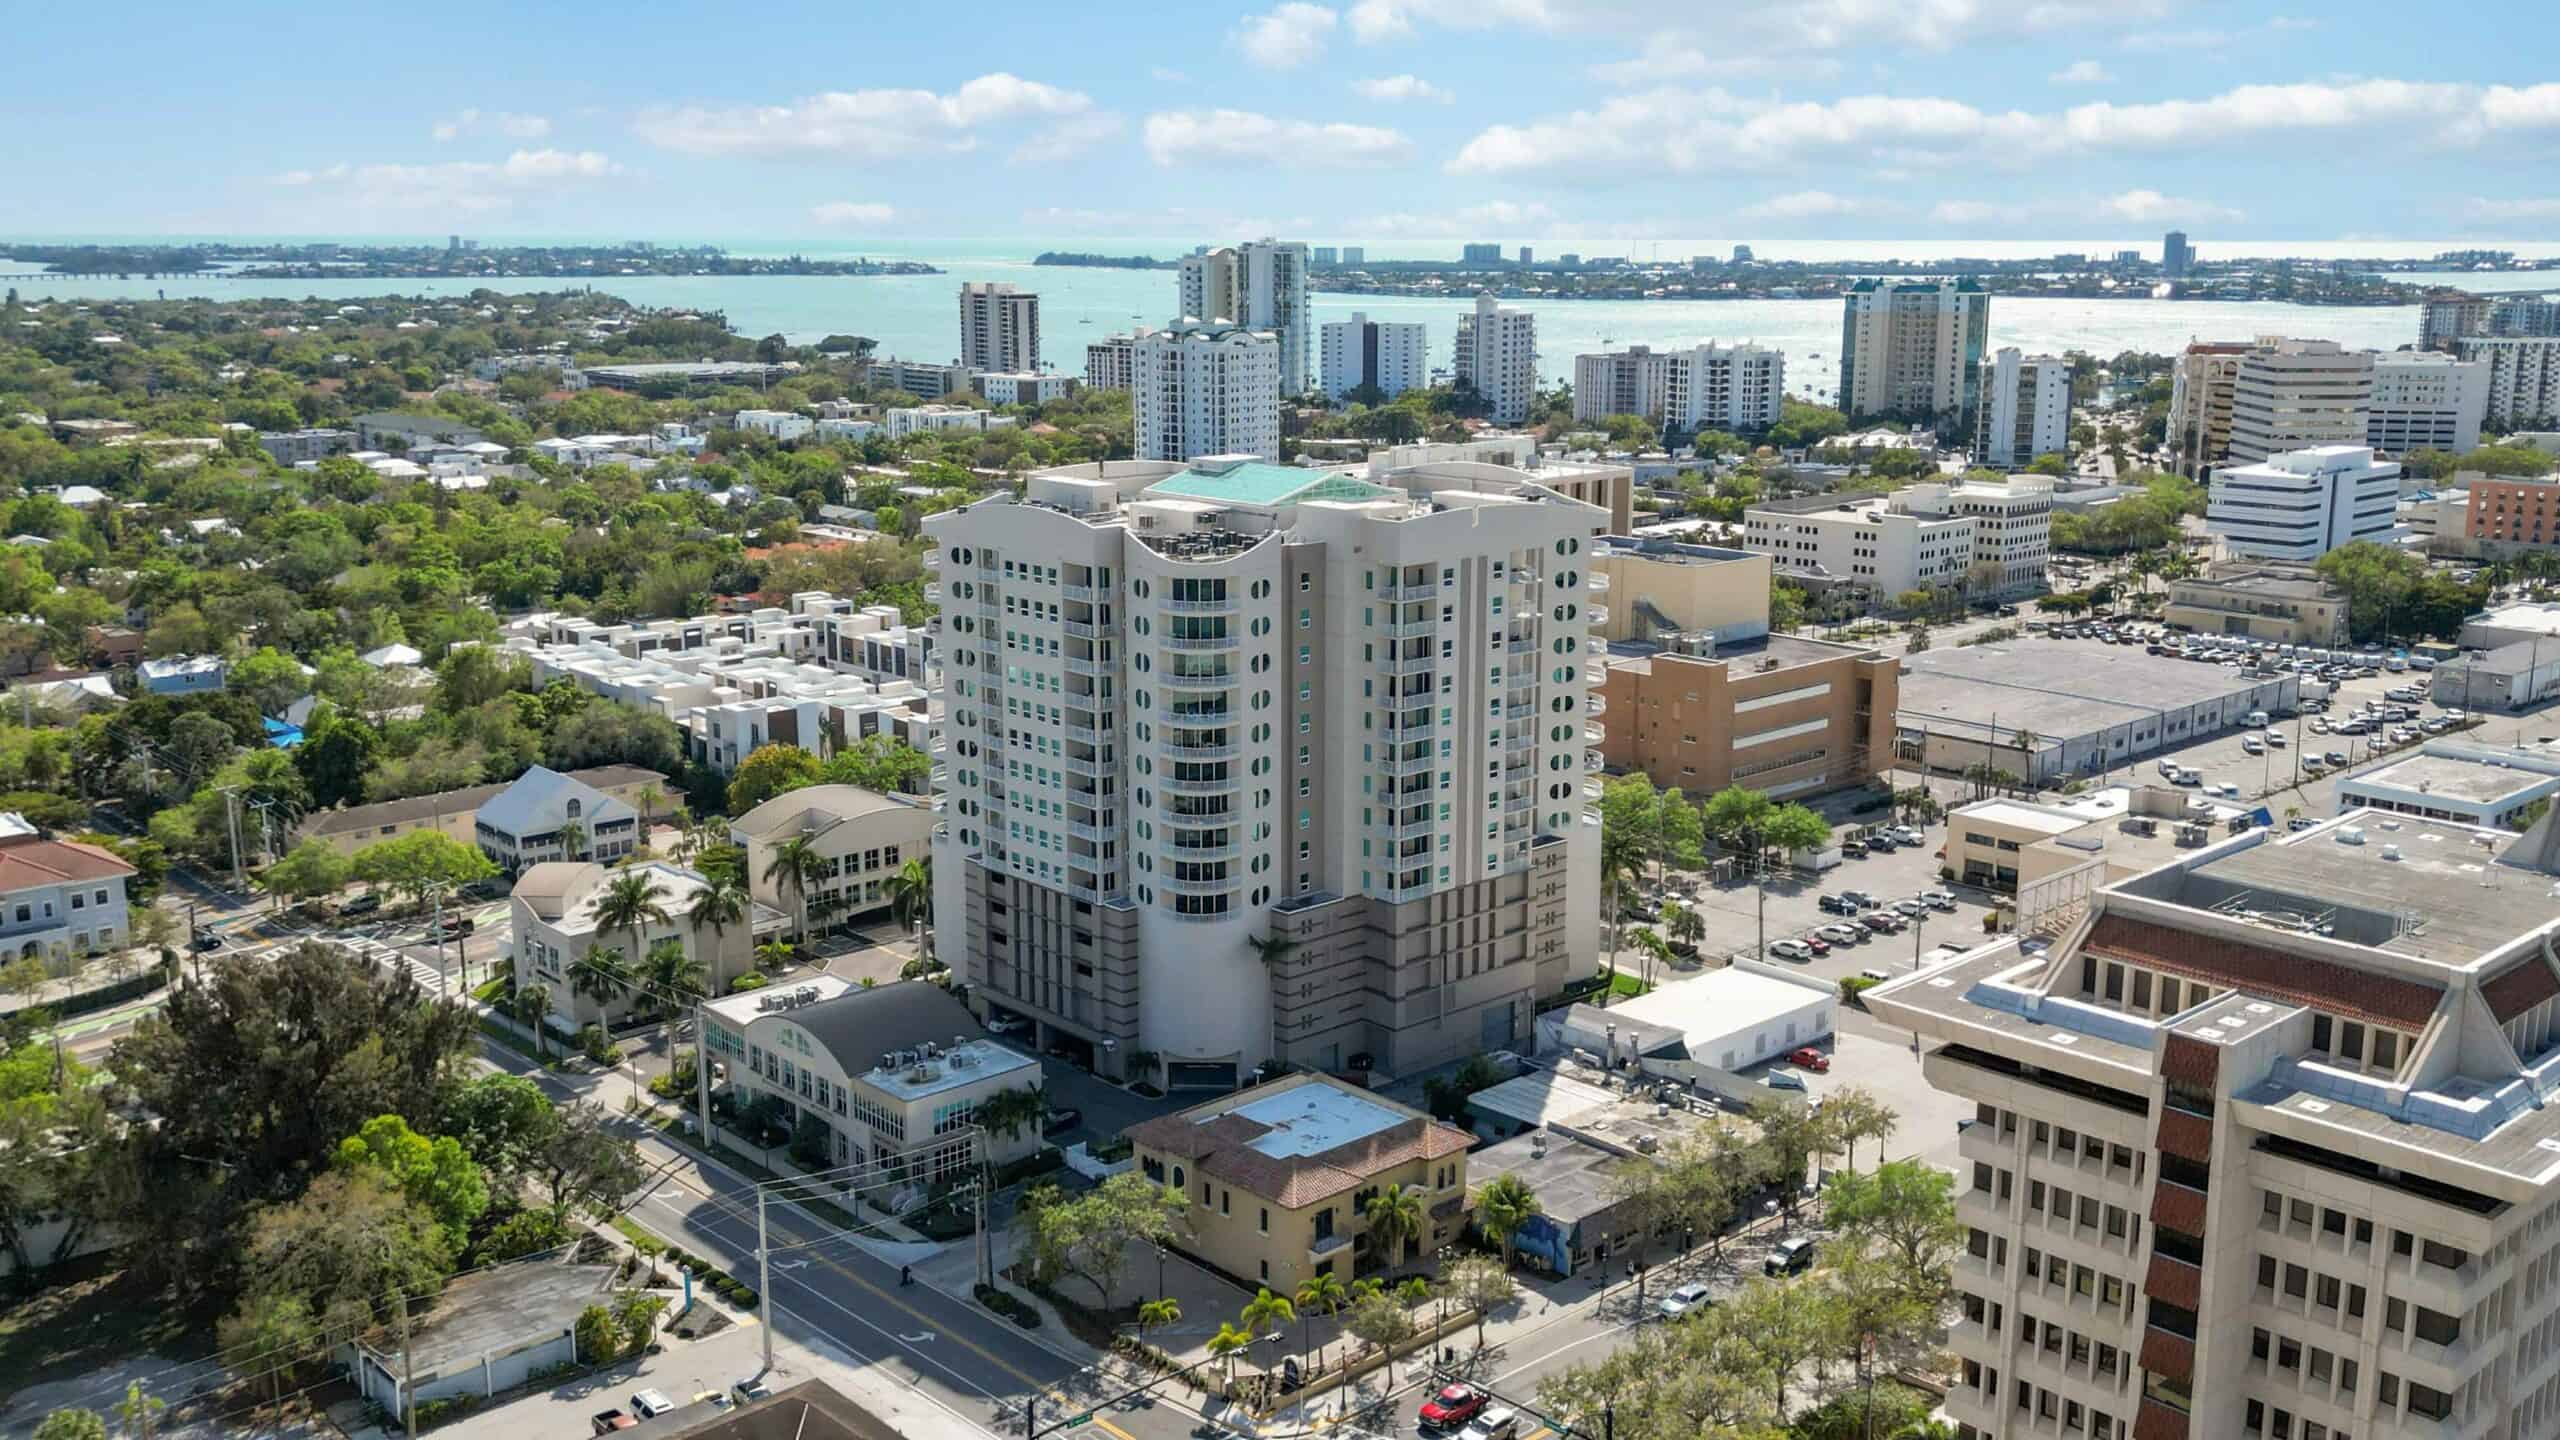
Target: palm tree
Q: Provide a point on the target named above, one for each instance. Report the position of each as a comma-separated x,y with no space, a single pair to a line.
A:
2027,740
573,840
794,864
1226,1345
1272,949
1415,1292
671,974
651,797
720,903
1157,1314
911,896
1657,951
1005,1113
1504,1205
631,901
1264,1309
774,956
529,1006
601,974
1684,924
1321,1292
1395,1222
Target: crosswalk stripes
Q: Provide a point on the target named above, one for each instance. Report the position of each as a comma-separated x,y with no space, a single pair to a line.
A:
389,957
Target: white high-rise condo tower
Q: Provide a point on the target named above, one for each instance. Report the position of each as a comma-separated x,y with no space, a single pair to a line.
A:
1262,285
1498,358
1394,356
1199,387
1913,347
2026,409
999,327
1247,763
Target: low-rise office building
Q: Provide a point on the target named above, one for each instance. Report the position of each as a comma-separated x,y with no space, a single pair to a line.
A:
2012,845
455,814
784,425
2005,706
545,815
1278,1177
1989,539
906,420
1025,387
2302,504
555,911
895,1073
2288,605
2426,401
59,899
1785,716
2458,780
859,838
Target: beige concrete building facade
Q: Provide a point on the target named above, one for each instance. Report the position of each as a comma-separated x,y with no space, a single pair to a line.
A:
2286,604
1661,587
860,837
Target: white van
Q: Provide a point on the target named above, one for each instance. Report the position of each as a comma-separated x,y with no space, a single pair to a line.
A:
2257,719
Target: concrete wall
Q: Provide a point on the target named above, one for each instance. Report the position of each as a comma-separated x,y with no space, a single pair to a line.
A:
1678,724
1730,597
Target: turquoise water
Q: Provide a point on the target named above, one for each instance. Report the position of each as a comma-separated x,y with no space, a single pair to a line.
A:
917,316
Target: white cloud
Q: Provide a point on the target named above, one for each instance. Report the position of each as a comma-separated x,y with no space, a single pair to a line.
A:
1802,205
1976,212
2484,208
2082,72
1241,137
1714,130
492,122
853,212
1532,216
2213,40
1288,36
1756,27
2150,206
1049,123
1172,220
1402,87
469,187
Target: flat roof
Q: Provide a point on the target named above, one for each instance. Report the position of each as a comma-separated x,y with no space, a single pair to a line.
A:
1723,1002
1539,1098
2442,898
497,1310
773,999
2471,780
2016,687
2024,816
1573,1178
2260,582
2524,615
1790,651
1258,483
1311,1119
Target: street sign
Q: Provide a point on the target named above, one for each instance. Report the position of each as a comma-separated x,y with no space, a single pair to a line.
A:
1084,1419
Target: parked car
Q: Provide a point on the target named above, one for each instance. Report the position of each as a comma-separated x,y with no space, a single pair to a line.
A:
1916,909
1939,900
1792,1257
365,904
605,1422
1497,1422
205,942
1854,849
1843,934
650,1404
1062,1120
751,1389
2336,757
1883,922
1836,905
2300,822
1790,950
1909,835
1808,1058
1683,1300
1454,1406
1006,1024
1859,899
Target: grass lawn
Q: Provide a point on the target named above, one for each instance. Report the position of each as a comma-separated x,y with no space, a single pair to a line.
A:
1623,984
93,1313
491,991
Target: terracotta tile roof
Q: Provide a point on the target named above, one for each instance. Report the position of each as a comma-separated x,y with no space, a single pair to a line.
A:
1222,1146
28,862
2261,970
2520,987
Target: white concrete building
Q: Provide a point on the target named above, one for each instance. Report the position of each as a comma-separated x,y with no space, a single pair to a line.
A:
1633,381
2423,400
1194,708
2026,409
2289,395
2013,527
779,424
1259,285
1734,388
1110,363
1497,357
1390,355
1025,387
2302,504
906,420
848,428
999,327
2524,378
1200,387
922,379
1921,537
546,815
1913,347
2257,1145
2456,779
554,907
59,899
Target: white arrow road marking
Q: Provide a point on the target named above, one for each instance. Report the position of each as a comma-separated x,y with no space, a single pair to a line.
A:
921,1338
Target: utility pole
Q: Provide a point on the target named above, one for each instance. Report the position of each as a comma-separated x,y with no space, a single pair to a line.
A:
231,816
764,1275
408,1370
701,1069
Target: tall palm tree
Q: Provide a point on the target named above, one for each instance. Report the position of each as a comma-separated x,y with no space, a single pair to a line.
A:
1395,1222
1227,1344
722,901
1657,951
1266,1308
1504,1205
674,976
530,1005
651,797
911,895
793,866
1157,1314
602,974
1320,1292
573,840
1415,1292
632,901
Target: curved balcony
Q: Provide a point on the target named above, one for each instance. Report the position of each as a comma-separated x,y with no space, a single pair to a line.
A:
1596,583
1197,607
1595,703
933,559
1228,851
1595,734
1197,752
933,591
1219,886
1172,786
1598,615
1173,680
1195,719
1198,643
1592,763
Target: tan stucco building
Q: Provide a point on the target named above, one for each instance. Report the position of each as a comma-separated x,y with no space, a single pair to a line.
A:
1279,1177
554,910
2011,845
861,838
1783,715
2288,605
1656,587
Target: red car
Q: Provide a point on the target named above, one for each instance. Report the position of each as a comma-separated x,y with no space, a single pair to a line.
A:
1454,1406
1816,944
1811,1059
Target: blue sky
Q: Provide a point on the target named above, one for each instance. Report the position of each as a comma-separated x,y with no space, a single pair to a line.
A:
1599,125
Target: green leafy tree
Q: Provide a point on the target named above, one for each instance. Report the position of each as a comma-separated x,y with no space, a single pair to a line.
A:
879,761
436,1174
632,901
345,1246
422,862
769,770
795,865
1904,1211
1478,1283
1382,1322
308,871
500,1121
1504,1205
585,1163
1090,1236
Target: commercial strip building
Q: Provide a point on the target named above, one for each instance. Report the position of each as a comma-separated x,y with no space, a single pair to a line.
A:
2459,780
1497,357
1259,285
2026,409
2524,379
455,814
2285,604
905,420
1192,708
860,839
2426,401
1277,1178
1388,356
1202,387
895,1073
1784,716
2512,676
2013,845
1981,704
1659,587
487,1331
2258,1143
999,328
1921,537
2302,504
1914,347
1734,388
555,910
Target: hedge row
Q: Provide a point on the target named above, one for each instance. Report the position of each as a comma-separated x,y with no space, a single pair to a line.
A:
718,1281
1011,1307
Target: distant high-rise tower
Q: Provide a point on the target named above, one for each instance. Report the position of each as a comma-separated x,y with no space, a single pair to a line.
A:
1913,347
2026,409
452,242
1201,387
1527,257
1498,357
1326,255
1354,255
1741,254
1480,255
2176,255
1394,357
999,328
1262,285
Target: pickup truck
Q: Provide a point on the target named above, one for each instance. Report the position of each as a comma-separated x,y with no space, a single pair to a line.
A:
605,1422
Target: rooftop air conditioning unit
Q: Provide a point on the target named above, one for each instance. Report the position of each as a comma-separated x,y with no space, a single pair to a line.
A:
2351,835
2390,852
